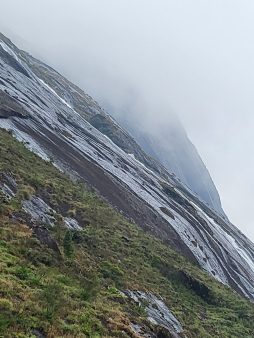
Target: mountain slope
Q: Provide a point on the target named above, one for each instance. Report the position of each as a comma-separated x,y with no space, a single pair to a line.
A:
103,278
168,143
51,116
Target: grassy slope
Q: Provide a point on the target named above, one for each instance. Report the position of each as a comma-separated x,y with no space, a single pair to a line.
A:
75,295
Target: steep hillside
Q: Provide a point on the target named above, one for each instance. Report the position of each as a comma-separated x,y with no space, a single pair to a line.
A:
41,108
71,266
170,145
167,142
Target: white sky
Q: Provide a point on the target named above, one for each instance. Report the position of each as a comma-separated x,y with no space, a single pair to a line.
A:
195,58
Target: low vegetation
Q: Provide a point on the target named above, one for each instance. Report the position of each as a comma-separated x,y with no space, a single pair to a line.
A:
74,290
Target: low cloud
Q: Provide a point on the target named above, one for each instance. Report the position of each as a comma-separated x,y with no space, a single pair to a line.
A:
160,58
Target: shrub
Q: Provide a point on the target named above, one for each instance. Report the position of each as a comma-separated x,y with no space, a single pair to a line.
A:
68,244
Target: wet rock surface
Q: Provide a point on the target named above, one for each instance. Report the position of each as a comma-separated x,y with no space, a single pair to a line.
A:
39,210
8,185
166,324
10,107
58,128
42,213
72,224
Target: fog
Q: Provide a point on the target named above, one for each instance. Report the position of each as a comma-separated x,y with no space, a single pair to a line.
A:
190,58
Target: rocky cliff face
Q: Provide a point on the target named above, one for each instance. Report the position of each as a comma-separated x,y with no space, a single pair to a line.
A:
67,126
168,143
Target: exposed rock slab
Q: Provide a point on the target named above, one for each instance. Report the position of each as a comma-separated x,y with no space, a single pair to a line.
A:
57,127
157,313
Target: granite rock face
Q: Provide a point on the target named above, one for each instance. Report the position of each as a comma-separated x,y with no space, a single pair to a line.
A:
169,144
57,127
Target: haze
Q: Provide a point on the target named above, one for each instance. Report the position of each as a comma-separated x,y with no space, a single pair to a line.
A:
190,58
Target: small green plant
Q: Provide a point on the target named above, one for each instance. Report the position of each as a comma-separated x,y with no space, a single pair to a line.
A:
23,273
68,244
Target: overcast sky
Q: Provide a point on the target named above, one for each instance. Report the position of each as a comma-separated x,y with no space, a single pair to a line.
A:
195,58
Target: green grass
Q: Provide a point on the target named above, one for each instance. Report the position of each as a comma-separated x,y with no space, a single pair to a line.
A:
75,293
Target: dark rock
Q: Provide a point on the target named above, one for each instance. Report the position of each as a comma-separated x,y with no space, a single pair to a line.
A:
10,107
39,333
44,237
197,287
167,212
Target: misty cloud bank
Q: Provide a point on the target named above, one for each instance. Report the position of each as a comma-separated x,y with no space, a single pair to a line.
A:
159,58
